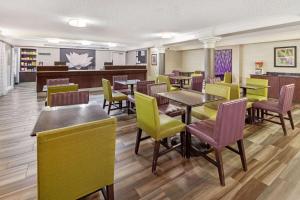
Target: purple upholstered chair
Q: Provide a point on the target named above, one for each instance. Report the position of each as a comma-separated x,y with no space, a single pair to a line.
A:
163,103
141,87
69,98
176,72
281,107
226,130
197,83
119,87
58,81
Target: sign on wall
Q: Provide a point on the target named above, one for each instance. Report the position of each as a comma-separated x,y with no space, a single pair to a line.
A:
78,58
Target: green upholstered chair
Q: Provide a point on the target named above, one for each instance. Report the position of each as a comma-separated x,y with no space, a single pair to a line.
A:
166,79
112,97
257,95
227,77
158,127
75,161
209,110
59,88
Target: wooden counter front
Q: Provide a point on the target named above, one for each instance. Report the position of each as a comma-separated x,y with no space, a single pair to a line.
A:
88,78
277,81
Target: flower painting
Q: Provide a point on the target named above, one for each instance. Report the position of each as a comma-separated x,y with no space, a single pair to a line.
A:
285,56
78,59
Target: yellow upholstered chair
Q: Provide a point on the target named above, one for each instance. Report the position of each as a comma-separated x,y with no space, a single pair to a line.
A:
227,77
257,95
209,110
75,161
59,88
166,79
112,97
159,127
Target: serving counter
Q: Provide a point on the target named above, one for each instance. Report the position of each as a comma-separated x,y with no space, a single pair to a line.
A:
87,78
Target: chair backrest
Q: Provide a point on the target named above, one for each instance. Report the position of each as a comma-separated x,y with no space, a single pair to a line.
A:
176,72
218,90
286,97
227,77
147,114
117,86
57,81
158,88
197,82
141,86
235,91
107,89
258,82
230,122
164,79
77,160
69,98
60,88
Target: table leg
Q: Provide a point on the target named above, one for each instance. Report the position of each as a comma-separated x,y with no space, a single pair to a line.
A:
181,83
188,115
244,92
131,90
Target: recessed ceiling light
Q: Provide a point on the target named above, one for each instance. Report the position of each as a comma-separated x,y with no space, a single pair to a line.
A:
78,23
54,40
85,42
110,44
166,35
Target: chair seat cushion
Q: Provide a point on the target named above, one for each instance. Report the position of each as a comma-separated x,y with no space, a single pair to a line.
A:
174,89
131,98
169,127
254,98
118,96
270,105
203,130
171,110
202,113
214,105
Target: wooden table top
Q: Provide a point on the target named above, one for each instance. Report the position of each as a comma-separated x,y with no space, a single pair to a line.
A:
180,77
64,116
253,87
190,98
128,82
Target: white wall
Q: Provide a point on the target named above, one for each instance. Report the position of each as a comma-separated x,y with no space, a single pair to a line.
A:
173,61
193,60
119,58
101,57
48,60
6,71
131,57
265,53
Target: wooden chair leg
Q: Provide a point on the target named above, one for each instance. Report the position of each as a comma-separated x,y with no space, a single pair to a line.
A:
291,119
182,141
110,192
253,115
183,118
240,144
120,105
188,143
109,107
282,124
262,113
250,115
104,103
219,160
138,140
155,156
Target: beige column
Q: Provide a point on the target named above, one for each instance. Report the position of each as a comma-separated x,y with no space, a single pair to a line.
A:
209,45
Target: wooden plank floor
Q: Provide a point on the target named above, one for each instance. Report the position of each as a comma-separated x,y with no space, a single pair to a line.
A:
273,160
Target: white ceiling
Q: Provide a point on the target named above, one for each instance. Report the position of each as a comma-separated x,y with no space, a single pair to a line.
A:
136,23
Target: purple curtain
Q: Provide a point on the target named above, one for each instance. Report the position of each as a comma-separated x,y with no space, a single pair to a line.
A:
223,61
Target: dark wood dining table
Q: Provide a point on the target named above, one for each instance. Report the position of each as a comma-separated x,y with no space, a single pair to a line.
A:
191,98
245,87
181,79
64,116
130,83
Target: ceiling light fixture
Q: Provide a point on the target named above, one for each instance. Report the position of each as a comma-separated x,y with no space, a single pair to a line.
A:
167,35
54,40
110,44
78,23
85,42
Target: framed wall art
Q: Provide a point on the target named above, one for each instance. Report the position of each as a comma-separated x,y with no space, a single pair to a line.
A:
285,56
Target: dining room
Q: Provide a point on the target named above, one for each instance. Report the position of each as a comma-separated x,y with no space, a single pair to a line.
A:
110,105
